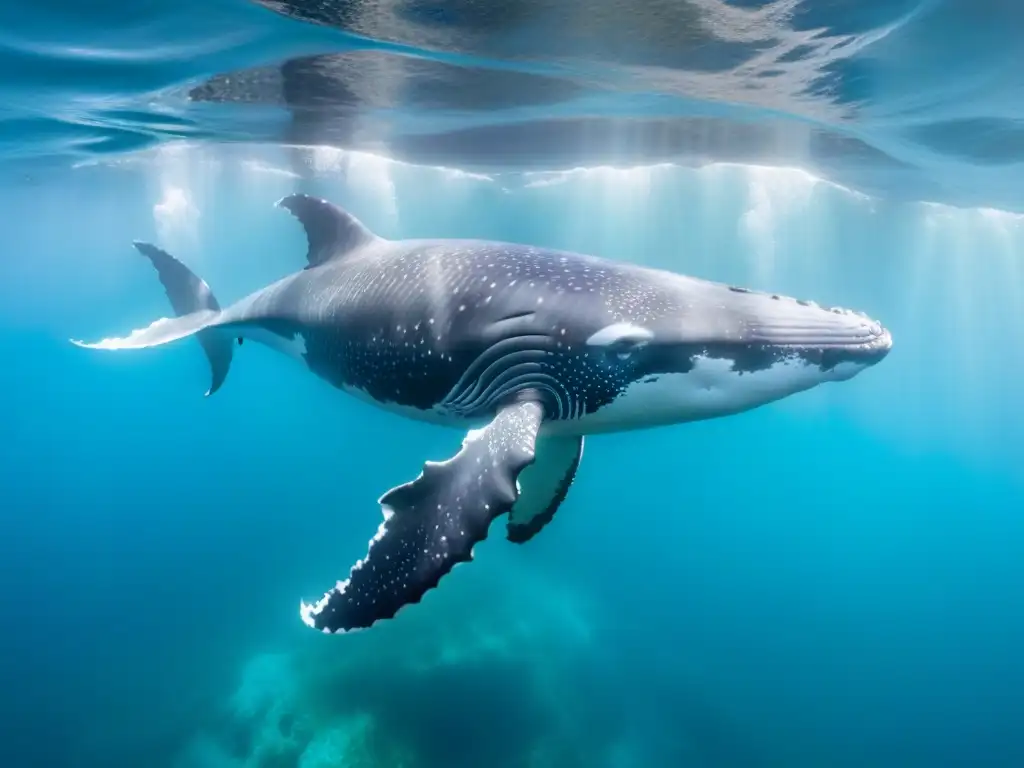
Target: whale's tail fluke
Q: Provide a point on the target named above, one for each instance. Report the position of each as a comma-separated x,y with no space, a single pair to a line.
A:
198,314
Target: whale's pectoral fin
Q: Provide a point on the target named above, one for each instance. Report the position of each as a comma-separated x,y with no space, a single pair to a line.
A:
198,314
432,523
330,231
544,485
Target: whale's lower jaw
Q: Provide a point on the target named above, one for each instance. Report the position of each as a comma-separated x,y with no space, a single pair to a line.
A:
712,389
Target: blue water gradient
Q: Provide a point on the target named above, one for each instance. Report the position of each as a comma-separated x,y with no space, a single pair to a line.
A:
830,580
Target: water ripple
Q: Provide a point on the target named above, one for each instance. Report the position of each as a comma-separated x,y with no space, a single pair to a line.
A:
916,99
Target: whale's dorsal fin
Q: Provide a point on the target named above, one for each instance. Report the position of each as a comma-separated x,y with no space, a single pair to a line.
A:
330,231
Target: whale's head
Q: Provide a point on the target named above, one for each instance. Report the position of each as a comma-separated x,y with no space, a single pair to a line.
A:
663,348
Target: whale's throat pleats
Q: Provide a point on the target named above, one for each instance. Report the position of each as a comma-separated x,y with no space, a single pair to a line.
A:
514,358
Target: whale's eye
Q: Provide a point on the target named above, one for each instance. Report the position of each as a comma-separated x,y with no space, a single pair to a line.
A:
621,339
624,347
620,334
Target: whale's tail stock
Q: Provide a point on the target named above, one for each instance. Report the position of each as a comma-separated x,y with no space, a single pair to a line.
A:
198,314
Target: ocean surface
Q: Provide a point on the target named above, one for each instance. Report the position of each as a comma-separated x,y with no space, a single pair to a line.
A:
835,580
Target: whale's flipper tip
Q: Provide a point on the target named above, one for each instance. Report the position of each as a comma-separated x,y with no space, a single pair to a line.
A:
306,614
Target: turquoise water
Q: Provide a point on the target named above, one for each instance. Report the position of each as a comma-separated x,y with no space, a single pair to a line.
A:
832,580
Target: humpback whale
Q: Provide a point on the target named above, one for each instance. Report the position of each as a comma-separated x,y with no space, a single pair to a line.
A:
527,349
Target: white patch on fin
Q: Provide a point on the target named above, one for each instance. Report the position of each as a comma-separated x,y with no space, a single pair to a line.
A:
308,610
